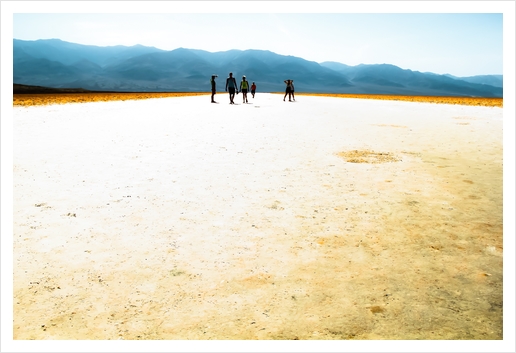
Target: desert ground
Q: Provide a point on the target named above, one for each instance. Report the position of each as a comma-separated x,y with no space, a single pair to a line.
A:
319,219
33,99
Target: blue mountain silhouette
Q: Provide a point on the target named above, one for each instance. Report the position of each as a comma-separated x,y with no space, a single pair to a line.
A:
59,64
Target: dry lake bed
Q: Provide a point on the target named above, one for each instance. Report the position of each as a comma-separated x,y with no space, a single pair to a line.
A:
320,219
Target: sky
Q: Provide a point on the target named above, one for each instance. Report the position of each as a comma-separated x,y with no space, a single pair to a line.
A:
460,44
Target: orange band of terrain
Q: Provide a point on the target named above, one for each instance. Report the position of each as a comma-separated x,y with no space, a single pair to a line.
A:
64,98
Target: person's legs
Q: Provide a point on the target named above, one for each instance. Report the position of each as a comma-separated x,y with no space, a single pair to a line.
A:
289,92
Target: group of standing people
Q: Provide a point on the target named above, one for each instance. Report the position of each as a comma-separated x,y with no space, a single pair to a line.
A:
232,88
289,91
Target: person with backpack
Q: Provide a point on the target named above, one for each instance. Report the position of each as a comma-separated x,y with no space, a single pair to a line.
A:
231,85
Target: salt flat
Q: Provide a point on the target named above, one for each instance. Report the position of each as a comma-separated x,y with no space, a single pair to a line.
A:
175,218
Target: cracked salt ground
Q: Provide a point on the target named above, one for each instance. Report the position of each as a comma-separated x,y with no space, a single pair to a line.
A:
275,236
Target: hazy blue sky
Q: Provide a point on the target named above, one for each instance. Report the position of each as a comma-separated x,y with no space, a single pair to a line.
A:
459,44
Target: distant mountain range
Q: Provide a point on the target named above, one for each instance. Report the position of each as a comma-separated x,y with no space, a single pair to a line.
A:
58,64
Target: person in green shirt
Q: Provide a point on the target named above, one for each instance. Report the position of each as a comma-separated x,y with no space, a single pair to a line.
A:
244,87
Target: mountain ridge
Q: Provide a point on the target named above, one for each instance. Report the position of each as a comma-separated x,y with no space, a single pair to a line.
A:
59,64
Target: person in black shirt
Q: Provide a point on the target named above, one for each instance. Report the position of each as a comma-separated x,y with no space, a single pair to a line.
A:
231,84
288,90
213,88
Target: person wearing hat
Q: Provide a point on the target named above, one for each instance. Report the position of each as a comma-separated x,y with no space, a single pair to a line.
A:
244,86
213,88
